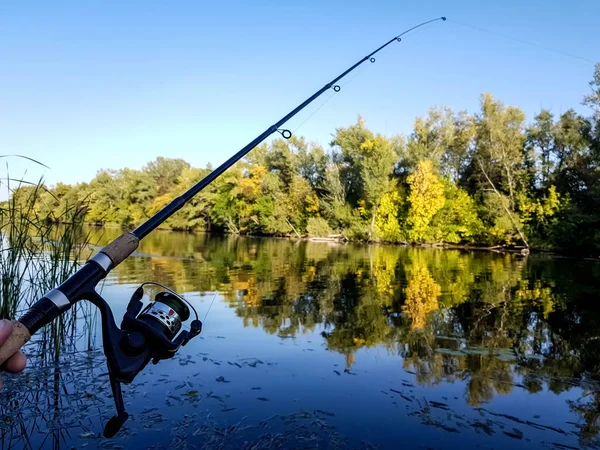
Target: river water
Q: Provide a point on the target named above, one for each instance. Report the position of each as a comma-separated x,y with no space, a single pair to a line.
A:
333,346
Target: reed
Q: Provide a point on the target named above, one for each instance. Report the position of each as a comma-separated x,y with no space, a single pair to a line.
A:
37,253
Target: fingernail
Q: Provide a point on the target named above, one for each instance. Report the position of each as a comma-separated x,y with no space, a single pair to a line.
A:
4,323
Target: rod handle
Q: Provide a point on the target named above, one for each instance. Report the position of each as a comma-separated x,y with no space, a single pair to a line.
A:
121,248
18,338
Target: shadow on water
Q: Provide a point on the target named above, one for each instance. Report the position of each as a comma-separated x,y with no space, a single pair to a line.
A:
431,348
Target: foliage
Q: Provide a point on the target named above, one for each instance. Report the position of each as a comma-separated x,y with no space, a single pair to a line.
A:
317,226
457,221
426,198
485,178
387,225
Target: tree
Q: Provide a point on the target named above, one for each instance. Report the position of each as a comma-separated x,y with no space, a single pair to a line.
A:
165,172
499,154
378,162
387,224
430,139
366,162
540,137
593,100
487,178
444,138
281,161
312,165
196,213
499,146
457,221
426,198
105,197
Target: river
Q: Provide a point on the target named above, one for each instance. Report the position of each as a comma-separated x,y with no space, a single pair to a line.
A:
336,346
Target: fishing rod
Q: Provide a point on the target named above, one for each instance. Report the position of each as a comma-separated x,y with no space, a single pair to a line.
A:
147,333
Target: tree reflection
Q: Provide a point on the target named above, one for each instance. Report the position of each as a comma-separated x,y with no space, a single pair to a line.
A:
494,321
422,294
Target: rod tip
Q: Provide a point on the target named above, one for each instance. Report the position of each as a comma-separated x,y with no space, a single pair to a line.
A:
444,18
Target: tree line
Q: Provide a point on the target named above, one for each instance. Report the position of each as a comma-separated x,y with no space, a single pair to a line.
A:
487,178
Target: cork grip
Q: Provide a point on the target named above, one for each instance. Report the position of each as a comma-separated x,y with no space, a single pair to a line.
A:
18,338
121,248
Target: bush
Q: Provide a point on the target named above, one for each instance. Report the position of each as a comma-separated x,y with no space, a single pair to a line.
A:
357,231
317,226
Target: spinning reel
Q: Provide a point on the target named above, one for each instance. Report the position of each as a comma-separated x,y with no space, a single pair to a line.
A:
146,334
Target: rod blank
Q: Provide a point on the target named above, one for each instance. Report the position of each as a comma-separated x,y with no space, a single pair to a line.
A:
178,203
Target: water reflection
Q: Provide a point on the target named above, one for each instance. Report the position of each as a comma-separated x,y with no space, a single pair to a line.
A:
495,323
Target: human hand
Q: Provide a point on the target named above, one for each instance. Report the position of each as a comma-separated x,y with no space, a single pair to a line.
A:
17,362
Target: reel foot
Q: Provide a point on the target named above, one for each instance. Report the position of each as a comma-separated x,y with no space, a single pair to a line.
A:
114,424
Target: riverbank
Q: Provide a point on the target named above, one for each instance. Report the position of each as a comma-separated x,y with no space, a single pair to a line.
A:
341,239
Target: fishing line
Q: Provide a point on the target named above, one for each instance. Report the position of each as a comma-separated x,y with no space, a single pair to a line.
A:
210,306
357,74
313,113
362,69
523,41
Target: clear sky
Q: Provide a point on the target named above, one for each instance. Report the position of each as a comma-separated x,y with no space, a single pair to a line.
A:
112,84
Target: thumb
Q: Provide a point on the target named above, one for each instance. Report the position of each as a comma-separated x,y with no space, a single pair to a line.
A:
5,330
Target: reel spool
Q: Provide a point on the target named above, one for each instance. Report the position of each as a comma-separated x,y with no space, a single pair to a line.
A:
167,311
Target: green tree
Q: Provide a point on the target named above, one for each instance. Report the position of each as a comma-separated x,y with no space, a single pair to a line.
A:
499,146
165,172
348,157
593,100
499,154
444,138
457,220
540,138
377,164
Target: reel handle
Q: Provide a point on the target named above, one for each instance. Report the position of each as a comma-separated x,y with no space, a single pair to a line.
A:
18,338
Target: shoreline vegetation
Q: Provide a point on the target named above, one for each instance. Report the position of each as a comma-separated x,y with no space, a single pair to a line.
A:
36,255
485,180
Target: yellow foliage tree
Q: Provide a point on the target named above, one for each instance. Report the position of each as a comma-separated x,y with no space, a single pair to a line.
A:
539,210
387,226
251,186
426,198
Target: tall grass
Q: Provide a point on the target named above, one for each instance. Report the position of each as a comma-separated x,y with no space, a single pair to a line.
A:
37,253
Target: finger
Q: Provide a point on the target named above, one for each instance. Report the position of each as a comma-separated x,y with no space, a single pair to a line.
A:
5,330
16,363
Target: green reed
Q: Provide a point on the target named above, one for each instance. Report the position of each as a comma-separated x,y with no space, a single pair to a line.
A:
37,253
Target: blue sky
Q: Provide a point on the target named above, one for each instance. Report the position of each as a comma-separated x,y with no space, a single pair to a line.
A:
115,84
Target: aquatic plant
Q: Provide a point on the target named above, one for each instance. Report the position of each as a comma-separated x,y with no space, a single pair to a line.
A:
38,251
